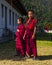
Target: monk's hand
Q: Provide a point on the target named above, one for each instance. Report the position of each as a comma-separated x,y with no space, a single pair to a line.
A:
17,30
33,36
24,37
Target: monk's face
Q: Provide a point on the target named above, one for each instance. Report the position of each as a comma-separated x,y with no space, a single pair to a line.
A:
30,14
18,21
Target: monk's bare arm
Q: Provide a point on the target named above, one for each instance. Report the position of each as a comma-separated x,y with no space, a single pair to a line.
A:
17,30
34,32
24,35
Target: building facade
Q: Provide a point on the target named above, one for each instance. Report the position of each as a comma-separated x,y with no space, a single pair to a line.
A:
8,16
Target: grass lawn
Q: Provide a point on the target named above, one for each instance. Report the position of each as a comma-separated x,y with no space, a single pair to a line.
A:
44,49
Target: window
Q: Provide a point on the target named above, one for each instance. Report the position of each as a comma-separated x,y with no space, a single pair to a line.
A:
13,18
2,10
9,17
16,19
5,17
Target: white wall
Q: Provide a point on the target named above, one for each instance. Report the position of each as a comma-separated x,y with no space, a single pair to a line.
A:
2,20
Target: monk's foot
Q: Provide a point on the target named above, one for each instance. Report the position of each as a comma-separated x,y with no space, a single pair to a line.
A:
22,56
35,58
16,55
27,55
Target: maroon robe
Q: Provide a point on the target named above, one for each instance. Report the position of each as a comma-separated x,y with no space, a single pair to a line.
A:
19,39
30,43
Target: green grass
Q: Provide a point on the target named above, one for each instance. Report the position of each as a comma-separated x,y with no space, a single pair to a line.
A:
43,39
44,43
11,44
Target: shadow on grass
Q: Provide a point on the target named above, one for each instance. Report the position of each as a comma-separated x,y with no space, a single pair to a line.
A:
45,57
11,57
7,51
48,57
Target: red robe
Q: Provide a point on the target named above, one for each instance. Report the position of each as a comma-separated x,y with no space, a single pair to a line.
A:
19,39
30,43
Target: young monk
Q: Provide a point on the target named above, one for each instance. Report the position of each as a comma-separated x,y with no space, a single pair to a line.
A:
19,37
30,35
